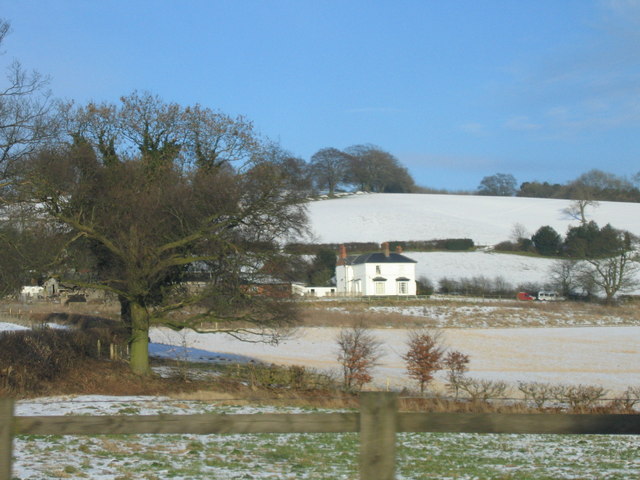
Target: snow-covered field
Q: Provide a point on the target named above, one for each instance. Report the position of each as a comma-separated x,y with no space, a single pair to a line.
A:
486,220
307,456
514,269
606,356
380,217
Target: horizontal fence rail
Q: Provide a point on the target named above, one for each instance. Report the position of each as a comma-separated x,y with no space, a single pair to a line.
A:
378,422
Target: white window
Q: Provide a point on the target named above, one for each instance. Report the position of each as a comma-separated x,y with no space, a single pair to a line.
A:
377,269
403,288
379,288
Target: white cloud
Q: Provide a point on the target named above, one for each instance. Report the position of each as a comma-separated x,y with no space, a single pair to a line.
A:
521,123
474,128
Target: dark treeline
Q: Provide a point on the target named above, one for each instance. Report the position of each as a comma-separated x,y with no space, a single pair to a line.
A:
595,185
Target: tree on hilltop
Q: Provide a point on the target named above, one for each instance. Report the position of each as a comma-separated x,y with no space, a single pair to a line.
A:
500,184
372,169
329,168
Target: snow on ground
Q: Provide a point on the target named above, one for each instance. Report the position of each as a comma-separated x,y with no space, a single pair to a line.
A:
9,327
380,217
298,456
607,356
486,220
514,269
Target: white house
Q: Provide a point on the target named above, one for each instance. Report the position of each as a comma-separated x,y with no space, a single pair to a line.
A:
381,273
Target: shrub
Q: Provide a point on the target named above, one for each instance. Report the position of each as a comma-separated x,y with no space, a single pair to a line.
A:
424,286
579,396
483,390
456,364
547,241
358,353
628,399
537,392
292,377
31,358
424,356
458,244
506,246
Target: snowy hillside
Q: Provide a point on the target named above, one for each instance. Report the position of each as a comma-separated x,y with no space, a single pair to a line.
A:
486,220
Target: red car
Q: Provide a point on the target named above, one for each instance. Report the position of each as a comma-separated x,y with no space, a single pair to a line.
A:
524,296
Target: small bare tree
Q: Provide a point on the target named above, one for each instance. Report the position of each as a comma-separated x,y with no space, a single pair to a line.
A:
537,392
483,390
358,353
628,399
580,396
424,356
518,232
455,363
578,209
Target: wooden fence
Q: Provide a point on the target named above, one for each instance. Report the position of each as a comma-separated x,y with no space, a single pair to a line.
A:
378,422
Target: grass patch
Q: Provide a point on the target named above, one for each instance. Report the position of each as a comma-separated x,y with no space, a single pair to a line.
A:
324,456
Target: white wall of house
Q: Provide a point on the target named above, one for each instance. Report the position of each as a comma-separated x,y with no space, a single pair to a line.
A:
376,279
307,291
321,291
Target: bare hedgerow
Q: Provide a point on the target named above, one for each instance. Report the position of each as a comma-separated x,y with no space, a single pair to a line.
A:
537,392
579,396
358,353
29,359
483,390
628,399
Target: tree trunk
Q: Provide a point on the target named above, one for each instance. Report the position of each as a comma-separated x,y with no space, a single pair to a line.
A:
139,359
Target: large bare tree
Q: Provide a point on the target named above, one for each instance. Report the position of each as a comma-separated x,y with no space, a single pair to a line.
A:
605,259
151,195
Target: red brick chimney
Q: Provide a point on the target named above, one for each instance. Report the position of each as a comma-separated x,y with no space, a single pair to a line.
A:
399,249
342,256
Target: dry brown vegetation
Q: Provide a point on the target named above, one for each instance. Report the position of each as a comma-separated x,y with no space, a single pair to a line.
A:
472,313
441,312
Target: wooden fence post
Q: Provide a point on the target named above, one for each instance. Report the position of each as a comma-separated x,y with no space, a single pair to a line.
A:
6,437
378,425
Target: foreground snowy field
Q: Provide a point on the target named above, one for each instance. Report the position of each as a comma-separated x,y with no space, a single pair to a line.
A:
606,356
300,456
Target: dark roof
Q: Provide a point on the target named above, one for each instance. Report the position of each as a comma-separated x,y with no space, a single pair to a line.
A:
378,257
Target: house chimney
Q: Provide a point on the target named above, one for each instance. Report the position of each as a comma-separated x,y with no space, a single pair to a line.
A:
342,255
399,249
385,246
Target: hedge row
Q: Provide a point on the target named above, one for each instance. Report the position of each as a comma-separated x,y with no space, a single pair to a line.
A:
453,244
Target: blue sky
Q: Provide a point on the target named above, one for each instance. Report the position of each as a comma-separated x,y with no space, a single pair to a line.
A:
456,90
